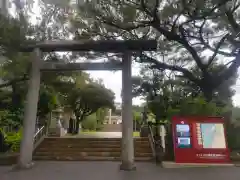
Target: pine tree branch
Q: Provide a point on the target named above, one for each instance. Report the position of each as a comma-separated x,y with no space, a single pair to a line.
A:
17,80
205,15
229,72
207,45
232,22
155,10
220,43
163,66
181,40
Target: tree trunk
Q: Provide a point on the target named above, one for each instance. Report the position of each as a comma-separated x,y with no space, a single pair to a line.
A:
208,93
70,127
77,125
169,147
15,98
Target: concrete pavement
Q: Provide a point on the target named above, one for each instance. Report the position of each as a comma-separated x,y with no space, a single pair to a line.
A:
97,135
110,170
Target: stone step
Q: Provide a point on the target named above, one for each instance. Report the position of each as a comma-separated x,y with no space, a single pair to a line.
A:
87,149
88,158
50,139
90,142
84,154
83,149
78,146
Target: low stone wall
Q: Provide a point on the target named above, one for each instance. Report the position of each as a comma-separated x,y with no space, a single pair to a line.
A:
8,159
112,128
235,156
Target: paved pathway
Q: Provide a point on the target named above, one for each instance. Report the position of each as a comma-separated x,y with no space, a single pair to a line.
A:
98,135
110,170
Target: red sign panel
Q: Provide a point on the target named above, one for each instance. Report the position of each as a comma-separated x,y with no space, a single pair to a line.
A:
200,140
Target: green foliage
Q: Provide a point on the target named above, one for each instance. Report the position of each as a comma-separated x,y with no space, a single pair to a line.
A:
100,117
11,118
188,107
13,139
137,116
199,106
3,118
233,134
47,101
236,114
90,123
89,98
169,156
151,117
12,33
183,32
94,122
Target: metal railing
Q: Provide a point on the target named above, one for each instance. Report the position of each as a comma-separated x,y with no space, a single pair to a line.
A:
7,129
156,144
152,140
39,136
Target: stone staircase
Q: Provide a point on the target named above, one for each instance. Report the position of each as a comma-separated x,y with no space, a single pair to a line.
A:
87,149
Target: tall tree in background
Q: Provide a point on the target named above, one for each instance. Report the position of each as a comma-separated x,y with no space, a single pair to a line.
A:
89,99
55,86
191,34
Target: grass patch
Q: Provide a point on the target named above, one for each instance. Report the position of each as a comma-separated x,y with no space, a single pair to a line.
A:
135,134
87,132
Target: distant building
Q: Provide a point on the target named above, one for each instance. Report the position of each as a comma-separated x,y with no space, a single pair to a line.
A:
118,105
114,119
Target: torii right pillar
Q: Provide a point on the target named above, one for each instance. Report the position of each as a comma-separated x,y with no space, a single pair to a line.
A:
127,117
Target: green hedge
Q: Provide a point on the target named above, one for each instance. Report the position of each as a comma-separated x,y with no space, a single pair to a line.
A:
90,123
13,140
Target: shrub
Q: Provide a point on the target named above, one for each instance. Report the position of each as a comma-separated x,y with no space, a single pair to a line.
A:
13,140
199,106
233,134
90,123
3,146
11,118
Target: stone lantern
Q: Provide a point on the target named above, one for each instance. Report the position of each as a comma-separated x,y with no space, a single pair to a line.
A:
56,127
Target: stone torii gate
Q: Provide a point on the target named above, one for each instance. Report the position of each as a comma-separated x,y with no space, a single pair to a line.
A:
38,65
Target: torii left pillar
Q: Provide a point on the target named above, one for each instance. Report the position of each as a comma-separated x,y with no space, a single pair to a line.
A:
30,113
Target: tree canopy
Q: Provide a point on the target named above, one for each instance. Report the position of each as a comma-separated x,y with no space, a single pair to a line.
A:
192,71
57,88
88,99
193,35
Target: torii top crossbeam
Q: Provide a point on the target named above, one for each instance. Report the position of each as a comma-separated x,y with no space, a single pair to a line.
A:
98,46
